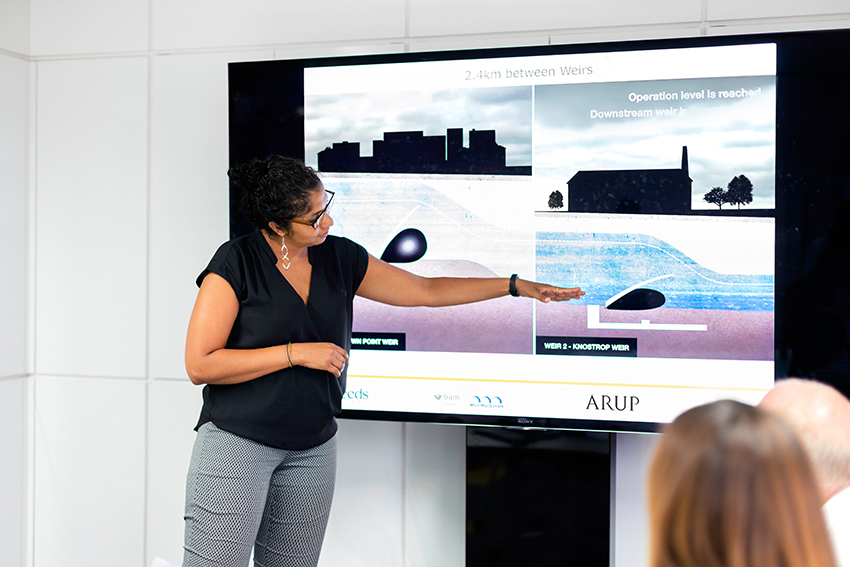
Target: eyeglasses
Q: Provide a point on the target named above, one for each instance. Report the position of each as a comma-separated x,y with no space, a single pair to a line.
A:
315,222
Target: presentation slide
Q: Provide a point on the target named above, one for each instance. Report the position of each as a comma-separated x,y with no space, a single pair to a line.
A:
646,178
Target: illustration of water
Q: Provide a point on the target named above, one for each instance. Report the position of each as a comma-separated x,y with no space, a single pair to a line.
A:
606,264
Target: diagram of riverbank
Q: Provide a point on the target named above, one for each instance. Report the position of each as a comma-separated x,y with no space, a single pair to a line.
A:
654,278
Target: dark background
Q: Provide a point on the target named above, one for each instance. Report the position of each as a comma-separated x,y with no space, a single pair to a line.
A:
537,498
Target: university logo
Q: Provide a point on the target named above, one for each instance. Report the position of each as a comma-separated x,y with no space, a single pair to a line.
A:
360,394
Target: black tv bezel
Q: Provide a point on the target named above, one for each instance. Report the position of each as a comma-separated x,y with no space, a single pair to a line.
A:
800,54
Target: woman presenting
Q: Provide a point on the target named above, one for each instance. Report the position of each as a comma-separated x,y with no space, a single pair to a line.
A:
269,337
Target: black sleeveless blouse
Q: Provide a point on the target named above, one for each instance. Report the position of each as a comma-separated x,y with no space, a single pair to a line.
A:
293,408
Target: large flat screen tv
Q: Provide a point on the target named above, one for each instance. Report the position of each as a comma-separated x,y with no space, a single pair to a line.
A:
681,183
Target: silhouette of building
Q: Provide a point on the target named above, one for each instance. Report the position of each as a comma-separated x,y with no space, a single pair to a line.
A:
413,152
653,191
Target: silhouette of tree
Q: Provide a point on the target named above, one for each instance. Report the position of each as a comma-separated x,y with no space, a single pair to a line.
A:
716,196
739,191
556,200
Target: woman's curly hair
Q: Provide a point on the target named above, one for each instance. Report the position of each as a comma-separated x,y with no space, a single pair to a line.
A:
275,189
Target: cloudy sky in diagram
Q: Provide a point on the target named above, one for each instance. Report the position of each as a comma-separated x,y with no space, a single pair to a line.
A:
725,137
364,117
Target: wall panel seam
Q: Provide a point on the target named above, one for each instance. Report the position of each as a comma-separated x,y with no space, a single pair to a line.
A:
701,24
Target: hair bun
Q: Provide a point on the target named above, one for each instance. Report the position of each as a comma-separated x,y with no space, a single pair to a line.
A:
246,176
274,189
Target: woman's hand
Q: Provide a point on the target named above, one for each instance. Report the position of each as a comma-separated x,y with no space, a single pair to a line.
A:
321,356
209,361
547,293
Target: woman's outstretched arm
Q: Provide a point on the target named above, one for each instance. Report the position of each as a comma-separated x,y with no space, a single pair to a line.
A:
388,284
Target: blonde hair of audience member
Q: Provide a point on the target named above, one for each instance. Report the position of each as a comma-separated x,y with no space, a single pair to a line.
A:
820,415
731,486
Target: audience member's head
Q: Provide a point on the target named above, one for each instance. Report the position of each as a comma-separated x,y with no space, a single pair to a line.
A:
820,415
731,486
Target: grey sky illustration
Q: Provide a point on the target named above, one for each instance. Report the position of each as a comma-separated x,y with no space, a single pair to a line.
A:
725,137
364,117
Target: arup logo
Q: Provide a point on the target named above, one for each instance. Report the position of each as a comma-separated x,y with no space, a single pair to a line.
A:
620,403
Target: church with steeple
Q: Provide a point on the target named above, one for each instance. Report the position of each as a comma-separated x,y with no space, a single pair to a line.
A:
645,191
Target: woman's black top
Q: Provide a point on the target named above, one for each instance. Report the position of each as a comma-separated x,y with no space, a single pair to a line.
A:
293,408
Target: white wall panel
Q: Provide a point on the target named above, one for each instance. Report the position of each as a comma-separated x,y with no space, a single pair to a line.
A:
631,533
13,472
223,23
435,496
748,27
89,472
13,214
91,217
449,17
173,410
188,192
454,43
367,521
15,26
307,51
88,26
735,9
626,34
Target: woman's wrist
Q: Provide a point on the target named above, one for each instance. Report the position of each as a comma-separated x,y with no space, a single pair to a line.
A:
512,286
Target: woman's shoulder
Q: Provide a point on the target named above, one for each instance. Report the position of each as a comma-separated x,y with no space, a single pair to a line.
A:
341,245
349,256
239,246
233,258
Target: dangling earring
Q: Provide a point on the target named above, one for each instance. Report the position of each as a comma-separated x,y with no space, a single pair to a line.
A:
284,254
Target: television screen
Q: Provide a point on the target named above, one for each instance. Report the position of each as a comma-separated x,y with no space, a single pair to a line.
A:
644,172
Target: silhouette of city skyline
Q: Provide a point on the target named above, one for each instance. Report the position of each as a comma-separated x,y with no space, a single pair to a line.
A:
652,191
413,152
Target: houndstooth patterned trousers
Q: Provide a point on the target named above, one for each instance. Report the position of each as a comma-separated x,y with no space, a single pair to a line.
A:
240,493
